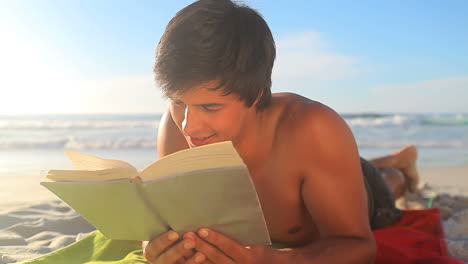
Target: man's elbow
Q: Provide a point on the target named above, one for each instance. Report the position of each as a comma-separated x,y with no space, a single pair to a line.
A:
370,250
364,251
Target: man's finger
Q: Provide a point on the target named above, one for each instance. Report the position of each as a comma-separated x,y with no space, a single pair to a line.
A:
211,252
175,252
157,245
197,258
230,247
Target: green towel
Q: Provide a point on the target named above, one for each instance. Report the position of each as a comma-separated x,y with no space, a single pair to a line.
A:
96,249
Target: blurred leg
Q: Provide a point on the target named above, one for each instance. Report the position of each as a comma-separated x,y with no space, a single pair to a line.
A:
395,180
403,160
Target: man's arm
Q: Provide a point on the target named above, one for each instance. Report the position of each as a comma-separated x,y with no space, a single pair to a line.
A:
333,191
170,138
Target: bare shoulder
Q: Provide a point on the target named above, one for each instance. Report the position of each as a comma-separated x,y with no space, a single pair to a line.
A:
170,138
314,130
301,116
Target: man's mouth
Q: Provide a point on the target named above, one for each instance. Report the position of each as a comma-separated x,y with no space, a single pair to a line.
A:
199,141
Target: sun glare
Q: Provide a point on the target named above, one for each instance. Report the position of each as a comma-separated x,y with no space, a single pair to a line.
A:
28,82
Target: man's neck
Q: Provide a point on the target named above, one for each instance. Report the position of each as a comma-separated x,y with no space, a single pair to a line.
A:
256,138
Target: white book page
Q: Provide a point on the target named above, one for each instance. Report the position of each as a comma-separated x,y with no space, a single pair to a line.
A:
217,155
88,175
88,162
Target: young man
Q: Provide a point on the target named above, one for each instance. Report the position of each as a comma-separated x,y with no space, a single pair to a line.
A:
319,198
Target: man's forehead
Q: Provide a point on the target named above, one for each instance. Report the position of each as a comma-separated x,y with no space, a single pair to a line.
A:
202,90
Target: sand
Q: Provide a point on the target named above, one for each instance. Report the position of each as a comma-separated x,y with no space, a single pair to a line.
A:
34,222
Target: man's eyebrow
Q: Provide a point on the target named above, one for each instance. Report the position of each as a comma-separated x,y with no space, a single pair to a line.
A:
208,104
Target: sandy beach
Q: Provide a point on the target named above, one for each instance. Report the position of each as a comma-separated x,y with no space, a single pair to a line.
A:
34,222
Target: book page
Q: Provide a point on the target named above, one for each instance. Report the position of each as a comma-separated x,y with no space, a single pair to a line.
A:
87,175
88,162
217,155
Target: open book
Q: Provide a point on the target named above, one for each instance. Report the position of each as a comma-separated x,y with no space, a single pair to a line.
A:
207,186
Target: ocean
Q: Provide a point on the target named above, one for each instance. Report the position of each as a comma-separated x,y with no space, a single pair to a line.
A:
31,145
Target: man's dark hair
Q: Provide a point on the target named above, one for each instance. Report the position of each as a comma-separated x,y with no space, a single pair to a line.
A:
217,40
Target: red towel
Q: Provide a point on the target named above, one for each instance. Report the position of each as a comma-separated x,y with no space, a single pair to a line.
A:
415,239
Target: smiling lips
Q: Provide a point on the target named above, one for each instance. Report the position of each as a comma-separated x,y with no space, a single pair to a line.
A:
199,141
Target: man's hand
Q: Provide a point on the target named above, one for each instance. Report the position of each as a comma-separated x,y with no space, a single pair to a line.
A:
221,249
165,250
207,247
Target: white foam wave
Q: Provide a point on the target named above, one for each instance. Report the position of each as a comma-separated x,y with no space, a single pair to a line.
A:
76,124
150,142
406,120
74,143
384,121
424,144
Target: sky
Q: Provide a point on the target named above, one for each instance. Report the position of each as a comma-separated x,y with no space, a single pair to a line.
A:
86,56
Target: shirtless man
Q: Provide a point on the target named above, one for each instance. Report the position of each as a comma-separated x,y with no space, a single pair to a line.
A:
214,63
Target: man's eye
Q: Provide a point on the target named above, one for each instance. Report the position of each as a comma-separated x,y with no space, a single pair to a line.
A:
211,108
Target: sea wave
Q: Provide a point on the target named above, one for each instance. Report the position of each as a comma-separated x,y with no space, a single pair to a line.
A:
418,143
457,121
151,122
150,142
80,143
405,120
384,121
75,124
364,115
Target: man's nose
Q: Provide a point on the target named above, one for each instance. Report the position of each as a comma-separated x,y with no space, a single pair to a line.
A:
191,123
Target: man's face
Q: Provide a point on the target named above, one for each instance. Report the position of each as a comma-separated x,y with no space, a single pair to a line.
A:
205,116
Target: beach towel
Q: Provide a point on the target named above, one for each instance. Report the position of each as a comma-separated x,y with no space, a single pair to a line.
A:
94,249
416,238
